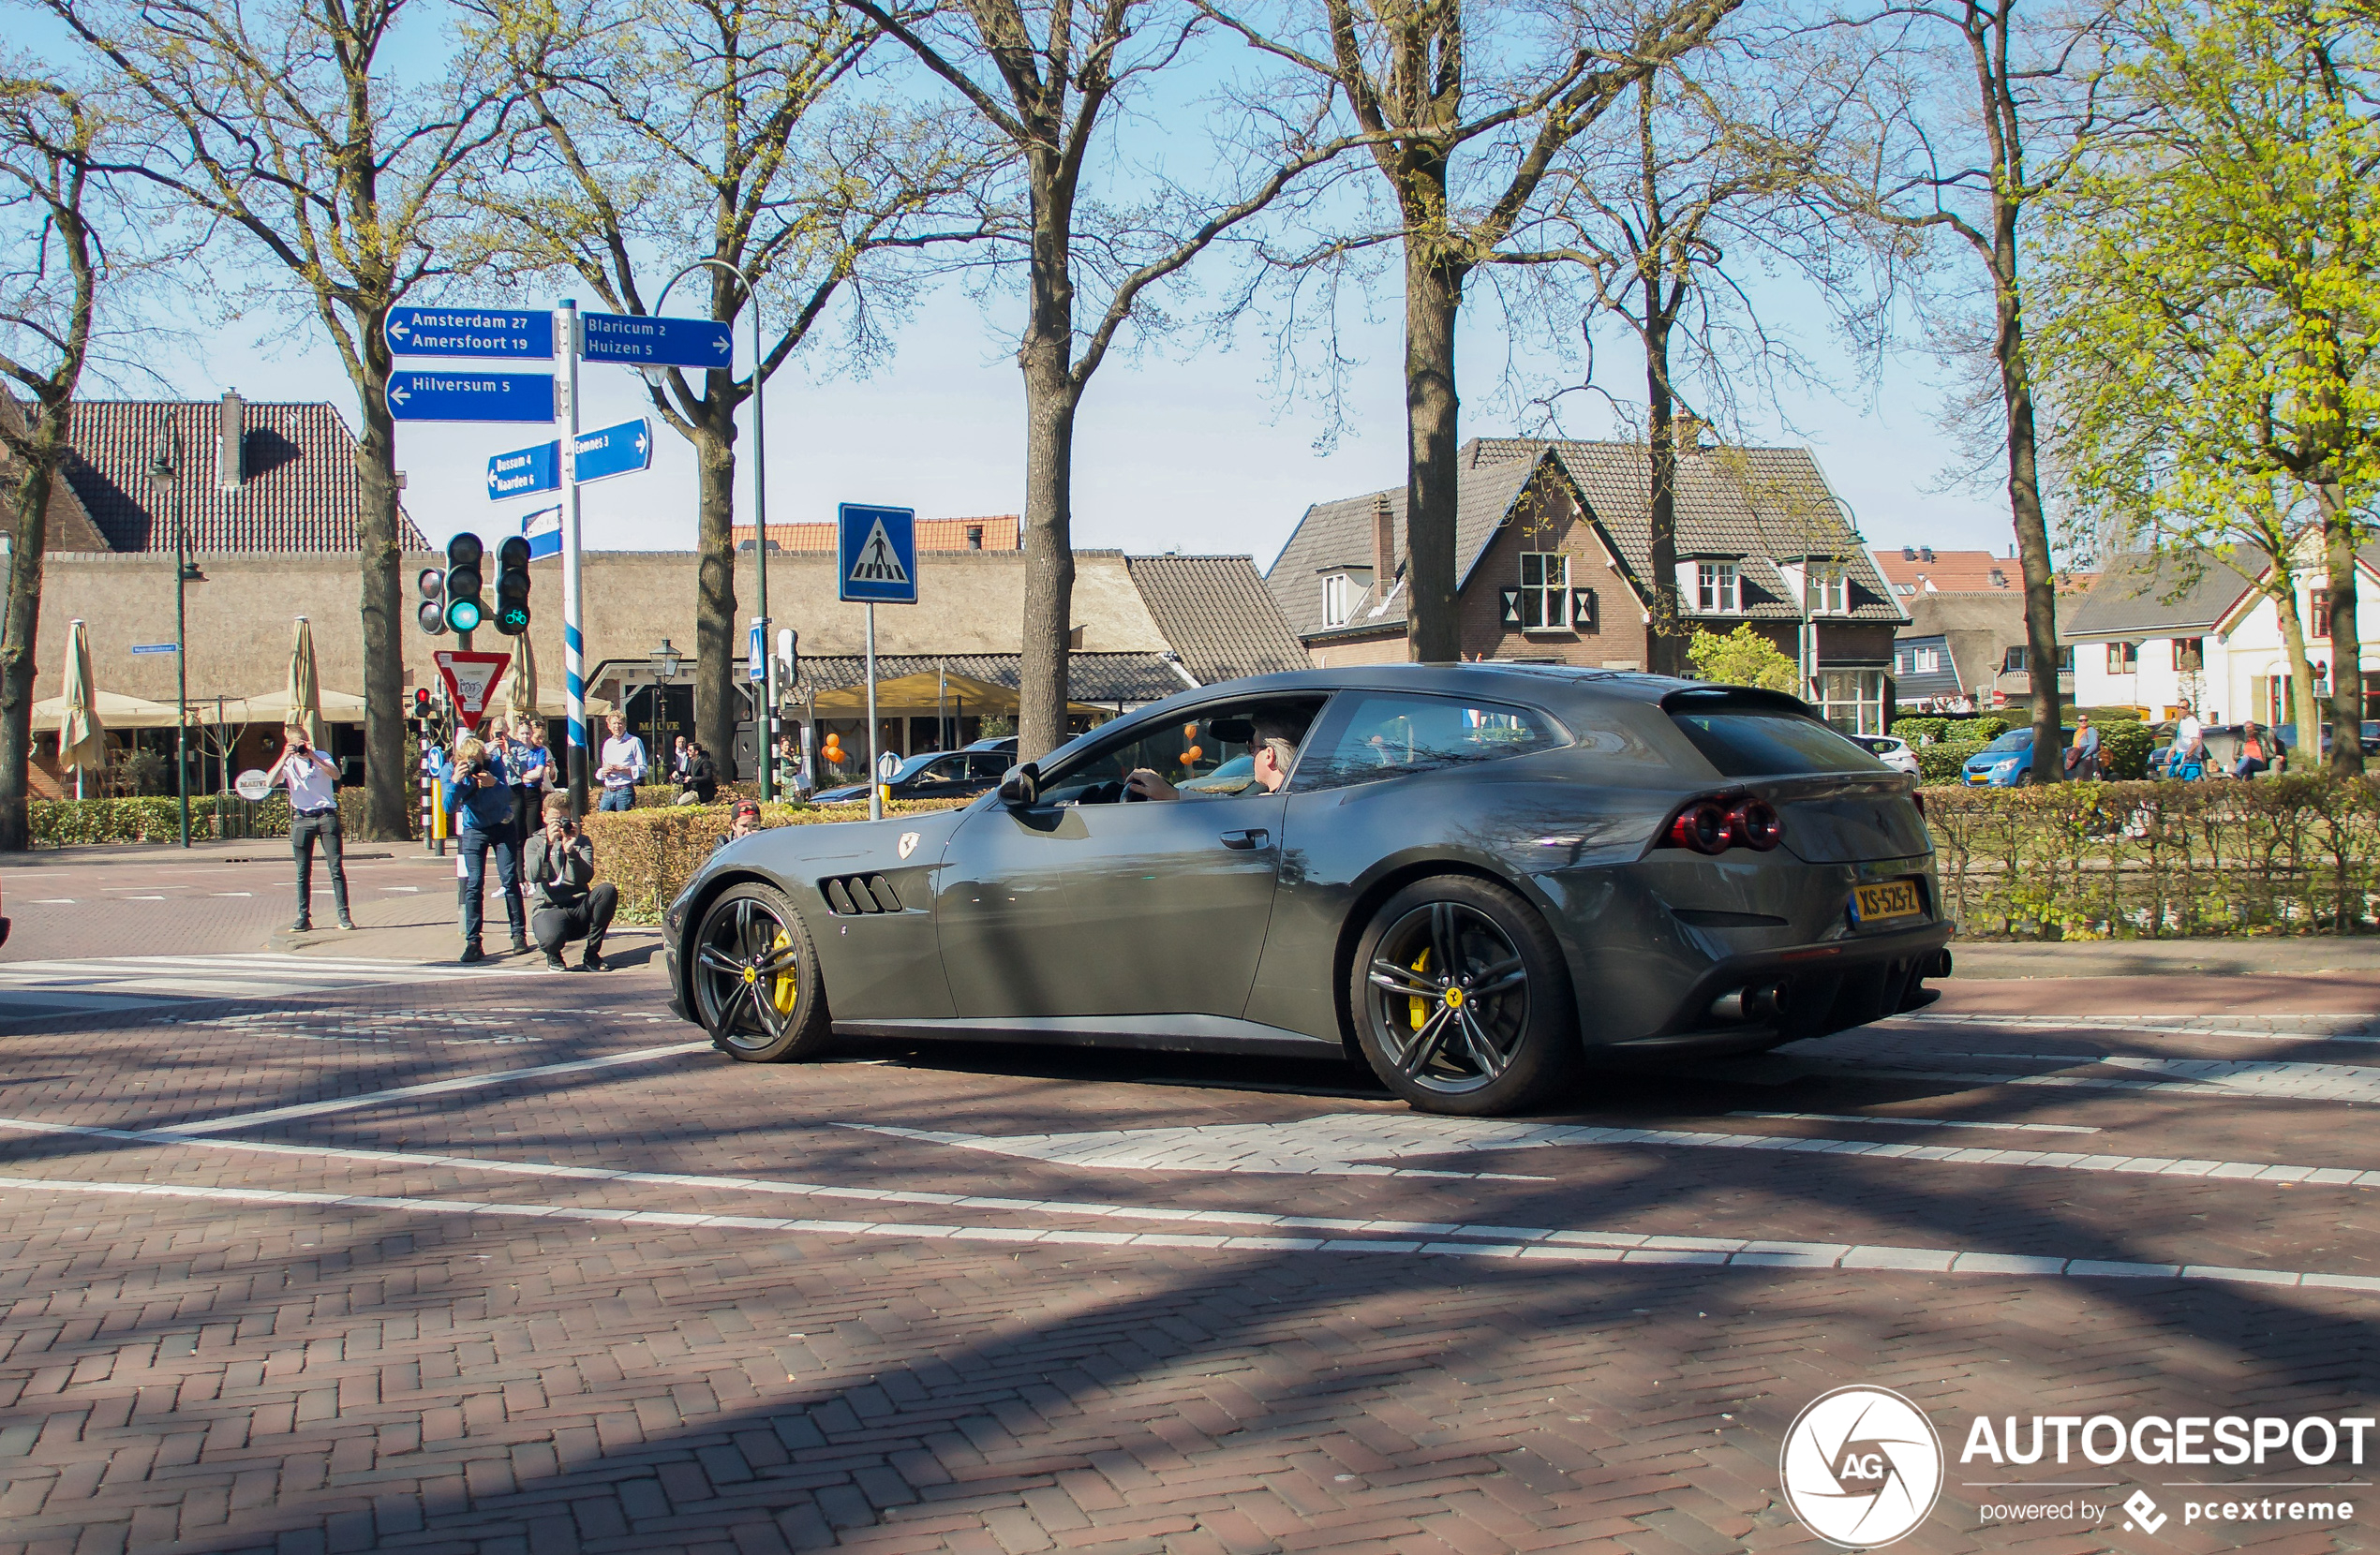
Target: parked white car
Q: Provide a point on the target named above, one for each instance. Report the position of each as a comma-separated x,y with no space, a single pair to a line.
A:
1894,753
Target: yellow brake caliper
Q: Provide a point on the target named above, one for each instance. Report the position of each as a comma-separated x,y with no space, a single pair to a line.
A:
1421,1007
788,981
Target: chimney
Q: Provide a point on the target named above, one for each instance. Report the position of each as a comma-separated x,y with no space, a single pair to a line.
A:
230,428
1383,547
1909,553
1925,553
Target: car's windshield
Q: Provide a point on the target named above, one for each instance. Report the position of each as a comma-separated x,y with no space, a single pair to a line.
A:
2015,739
1755,744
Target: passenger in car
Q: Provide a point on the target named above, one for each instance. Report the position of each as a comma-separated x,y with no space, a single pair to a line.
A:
1275,747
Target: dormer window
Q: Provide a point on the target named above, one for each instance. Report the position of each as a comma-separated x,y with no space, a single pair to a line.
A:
1716,590
1338,599
1825,587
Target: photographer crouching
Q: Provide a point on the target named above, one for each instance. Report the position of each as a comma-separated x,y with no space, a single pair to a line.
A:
565,903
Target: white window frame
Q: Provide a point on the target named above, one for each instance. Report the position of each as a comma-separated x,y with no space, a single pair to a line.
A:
1924,661
2123,659
1718,588
1827,588
1338,598
1546,603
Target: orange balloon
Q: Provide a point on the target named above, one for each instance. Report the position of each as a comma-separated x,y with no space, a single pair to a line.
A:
1189,731
1192,754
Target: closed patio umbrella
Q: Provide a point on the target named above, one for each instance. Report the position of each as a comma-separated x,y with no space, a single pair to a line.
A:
81,743
520,696
305,697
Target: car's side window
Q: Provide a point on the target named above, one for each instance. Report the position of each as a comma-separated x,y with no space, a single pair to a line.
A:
1187,753
1377,735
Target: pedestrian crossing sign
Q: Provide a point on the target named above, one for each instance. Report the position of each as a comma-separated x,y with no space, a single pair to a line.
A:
877,553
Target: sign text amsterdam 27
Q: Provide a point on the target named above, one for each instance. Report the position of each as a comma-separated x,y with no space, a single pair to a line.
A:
469,332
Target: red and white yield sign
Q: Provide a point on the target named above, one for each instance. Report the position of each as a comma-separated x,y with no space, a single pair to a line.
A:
470,680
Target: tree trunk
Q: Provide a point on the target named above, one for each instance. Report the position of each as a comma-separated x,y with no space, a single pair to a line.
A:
19,626
717,642
2339,537
1050,401
388,776
1665,634
2024,503
1432,297
2304,711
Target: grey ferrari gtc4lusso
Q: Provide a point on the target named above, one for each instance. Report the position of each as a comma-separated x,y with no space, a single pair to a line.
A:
1475,877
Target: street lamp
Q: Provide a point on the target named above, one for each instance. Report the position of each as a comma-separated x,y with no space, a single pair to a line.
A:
168,473
764,726
664,660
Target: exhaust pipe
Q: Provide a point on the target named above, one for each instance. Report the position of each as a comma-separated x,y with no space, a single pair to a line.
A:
1743,1006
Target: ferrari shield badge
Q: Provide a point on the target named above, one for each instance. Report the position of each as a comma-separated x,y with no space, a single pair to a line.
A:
908,843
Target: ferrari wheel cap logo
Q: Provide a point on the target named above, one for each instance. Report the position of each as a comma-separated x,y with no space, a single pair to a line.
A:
1454,998
908,843
751,975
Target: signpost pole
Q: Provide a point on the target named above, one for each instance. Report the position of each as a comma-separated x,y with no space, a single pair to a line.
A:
574,641
875,778
767,720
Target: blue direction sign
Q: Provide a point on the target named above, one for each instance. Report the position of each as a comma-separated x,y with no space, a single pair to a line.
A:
646,342
470,396
524,470
877,553
614,449
469,332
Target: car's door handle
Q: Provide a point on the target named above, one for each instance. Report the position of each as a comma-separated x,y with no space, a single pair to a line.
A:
1253,837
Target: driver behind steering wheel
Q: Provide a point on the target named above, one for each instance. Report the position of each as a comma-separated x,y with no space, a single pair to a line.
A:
1274,747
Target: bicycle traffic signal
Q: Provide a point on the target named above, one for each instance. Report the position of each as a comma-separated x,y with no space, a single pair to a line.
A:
431,612
465,609
512,585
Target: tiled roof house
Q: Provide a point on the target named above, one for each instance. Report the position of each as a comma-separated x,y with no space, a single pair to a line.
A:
1553,545
297,493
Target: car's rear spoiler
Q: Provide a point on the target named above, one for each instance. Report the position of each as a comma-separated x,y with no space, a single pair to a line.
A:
1733,698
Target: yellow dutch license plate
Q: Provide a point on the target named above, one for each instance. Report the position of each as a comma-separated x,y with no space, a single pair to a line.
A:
1891,900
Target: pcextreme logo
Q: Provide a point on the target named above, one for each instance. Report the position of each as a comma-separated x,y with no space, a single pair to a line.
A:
1862,1467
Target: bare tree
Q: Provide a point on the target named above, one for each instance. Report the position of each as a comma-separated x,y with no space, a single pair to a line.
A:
1044,77
294,124
733,130
49,297
1462,148
2001,109
1714,174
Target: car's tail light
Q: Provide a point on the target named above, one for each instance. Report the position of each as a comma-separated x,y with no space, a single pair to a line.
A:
1756,825
1704,826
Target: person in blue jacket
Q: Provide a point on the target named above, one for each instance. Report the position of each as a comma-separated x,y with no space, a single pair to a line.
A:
479,795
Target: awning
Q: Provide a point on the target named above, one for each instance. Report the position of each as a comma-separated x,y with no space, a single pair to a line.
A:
115,710
914,695
273,708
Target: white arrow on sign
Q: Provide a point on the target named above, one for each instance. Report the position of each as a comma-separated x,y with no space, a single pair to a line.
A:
400,393
399,328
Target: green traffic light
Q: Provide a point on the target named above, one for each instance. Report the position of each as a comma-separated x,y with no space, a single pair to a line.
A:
463,615
512,620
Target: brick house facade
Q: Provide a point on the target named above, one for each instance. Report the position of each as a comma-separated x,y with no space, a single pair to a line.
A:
1552,546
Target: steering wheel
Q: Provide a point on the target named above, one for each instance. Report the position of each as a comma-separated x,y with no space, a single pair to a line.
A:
1132,796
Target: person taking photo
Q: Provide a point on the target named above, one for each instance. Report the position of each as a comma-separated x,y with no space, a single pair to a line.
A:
567,902
312,779
479,795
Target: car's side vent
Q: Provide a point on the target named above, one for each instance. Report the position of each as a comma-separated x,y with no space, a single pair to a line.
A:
850,896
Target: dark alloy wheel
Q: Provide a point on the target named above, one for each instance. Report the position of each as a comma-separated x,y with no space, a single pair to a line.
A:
755,977
1461,1002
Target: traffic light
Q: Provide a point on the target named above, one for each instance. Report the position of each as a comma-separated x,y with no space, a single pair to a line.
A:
512,585
465,609
421,704
431,612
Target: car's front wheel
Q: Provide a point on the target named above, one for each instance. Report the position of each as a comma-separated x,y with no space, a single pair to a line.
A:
1461,1002
757,982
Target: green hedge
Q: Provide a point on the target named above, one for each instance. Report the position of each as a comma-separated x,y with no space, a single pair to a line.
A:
74,822
650,852
2287,855
1931,731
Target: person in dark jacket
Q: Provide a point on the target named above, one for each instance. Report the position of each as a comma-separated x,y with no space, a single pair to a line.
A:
700,776
479,795
565,901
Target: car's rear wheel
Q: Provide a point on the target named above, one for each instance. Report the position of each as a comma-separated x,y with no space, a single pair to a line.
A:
757,982
1461,1002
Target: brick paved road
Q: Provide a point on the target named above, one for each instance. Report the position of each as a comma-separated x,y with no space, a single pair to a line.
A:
505,1264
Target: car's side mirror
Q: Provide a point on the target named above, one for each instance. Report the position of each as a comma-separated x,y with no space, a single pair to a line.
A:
1021,785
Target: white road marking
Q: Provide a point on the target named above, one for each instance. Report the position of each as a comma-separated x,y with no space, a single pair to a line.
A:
1343,1144
2277,1080
122,982
51,901
2340,1028
1616,1248
433,1088
1914,1122
231,893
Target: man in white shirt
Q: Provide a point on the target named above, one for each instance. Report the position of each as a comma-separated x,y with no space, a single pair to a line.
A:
312,779
622,766
2190,737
